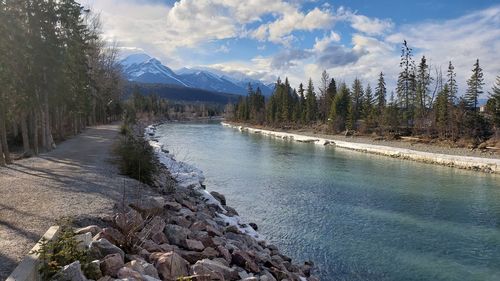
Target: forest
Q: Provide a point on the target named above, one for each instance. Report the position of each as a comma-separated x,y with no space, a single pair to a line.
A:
425,104
57,73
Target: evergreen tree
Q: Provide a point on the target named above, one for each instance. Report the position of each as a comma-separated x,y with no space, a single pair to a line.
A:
368,102
357,102
406,83
302,104
340,109
323,96
380,92
311,103
452,83
423,80
474,86
494,105
442,111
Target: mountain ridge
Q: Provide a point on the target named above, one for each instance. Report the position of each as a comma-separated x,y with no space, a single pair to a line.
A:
142,68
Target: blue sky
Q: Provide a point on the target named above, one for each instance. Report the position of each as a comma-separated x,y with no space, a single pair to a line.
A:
301,38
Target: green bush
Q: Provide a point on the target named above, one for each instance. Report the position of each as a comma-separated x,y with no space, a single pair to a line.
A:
136,158
61,251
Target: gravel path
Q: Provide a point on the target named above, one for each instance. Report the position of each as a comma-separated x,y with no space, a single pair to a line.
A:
76,180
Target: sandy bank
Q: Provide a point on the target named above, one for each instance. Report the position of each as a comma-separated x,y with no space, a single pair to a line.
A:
489,165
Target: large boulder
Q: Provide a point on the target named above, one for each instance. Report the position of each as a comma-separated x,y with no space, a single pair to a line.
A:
221,198
170,265
128,222
129,274
93,229
216,270
112,235
194,245
154,226
149,206
111,264
70,272
84,240
143,267
176,234
244,260
102,247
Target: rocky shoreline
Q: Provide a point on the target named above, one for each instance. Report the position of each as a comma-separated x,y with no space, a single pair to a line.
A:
488,165
184,233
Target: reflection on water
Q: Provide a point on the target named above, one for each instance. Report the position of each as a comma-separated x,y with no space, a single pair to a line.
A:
357,216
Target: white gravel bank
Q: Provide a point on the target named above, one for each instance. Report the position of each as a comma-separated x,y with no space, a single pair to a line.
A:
488,165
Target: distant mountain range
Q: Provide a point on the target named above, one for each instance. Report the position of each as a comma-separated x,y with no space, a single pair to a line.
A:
144,69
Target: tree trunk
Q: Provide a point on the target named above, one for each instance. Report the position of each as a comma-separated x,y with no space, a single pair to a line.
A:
48,132
35,132
2,160
25,135
3,135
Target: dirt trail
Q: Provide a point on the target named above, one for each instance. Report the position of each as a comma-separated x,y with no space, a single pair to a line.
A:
75,180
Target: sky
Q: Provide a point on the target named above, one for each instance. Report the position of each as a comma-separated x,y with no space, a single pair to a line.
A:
298,39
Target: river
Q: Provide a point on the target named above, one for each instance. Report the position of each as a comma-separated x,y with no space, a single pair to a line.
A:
357,216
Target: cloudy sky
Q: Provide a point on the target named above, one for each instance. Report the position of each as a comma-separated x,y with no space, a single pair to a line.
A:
301,38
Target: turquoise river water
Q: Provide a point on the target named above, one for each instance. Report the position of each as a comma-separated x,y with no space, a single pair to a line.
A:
357,216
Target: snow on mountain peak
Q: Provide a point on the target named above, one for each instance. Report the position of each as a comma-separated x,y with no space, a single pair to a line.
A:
135,59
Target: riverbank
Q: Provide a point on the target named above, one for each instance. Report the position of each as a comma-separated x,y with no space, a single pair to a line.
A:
207,221
402,150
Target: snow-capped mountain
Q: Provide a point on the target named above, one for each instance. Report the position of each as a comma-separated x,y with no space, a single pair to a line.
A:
145,69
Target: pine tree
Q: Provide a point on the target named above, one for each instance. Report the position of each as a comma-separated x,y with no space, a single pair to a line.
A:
475,86
340,109
406,83
494,105
423,80
357,102
442,111
380,92
323,96
368,102
311,103
302,104
452,83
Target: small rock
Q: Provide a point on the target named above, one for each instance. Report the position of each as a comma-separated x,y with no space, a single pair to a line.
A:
93,229
111,264
112,235
221,198
232,228
102,247
173,206
170,265
143,268
70,272
84,240
159,238
156,225
149,206
128,222
130,274
151,246
176,234
243,259
194,245
231,212
225,253
254,226
215,269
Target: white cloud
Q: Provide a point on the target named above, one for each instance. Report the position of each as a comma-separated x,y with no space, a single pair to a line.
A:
279,31
321,44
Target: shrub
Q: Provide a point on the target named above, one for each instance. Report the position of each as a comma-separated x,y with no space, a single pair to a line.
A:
63,250
136,158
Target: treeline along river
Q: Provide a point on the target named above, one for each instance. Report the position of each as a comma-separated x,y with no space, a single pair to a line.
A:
357,216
